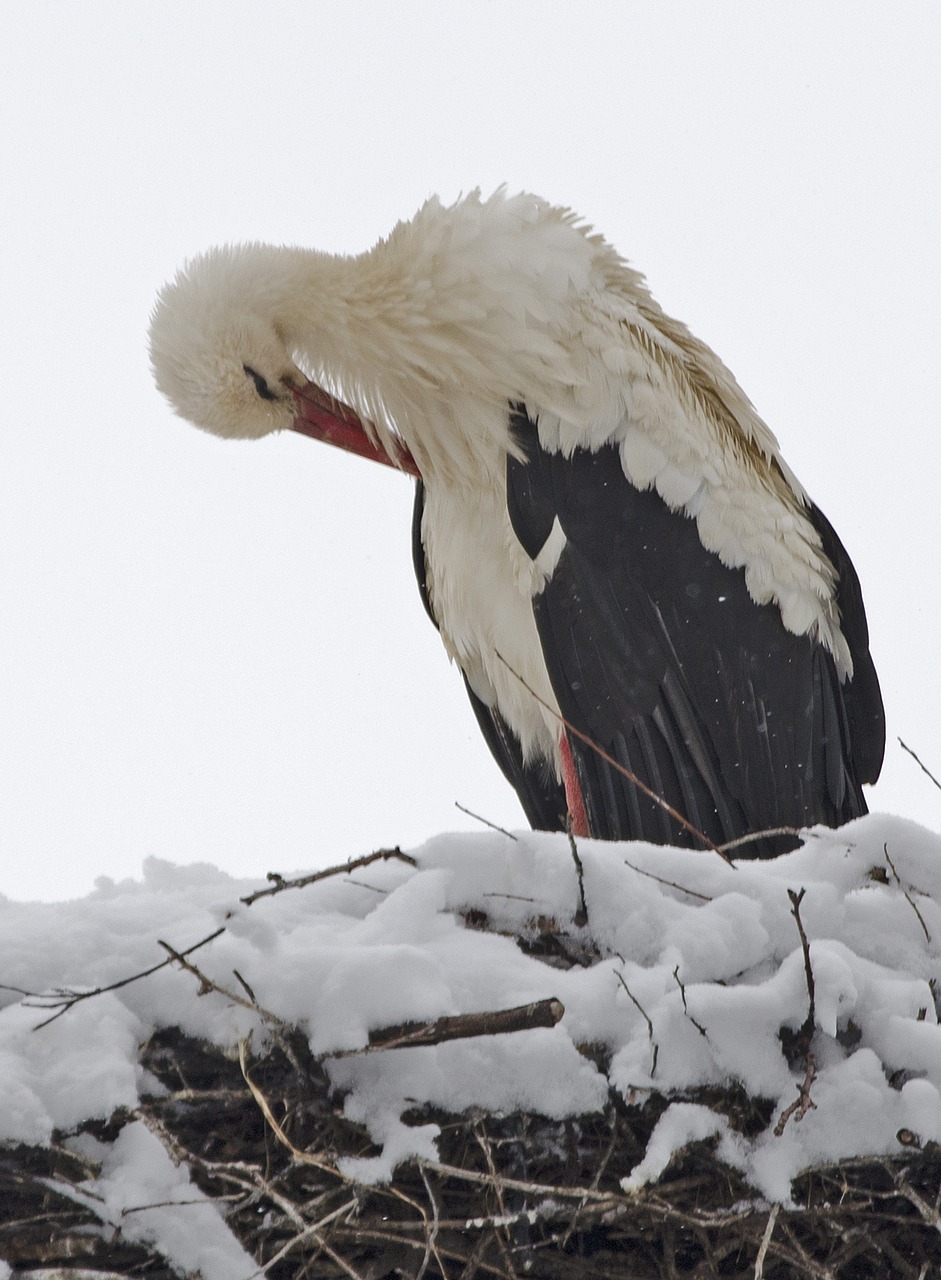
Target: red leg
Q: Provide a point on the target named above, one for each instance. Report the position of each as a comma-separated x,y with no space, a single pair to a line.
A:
578,817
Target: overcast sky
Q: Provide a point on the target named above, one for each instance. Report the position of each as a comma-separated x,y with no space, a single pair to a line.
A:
216,651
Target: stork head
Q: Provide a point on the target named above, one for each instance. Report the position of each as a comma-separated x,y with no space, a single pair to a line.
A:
220,355
217,351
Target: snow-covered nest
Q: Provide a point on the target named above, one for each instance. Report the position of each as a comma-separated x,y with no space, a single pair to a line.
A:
723,1070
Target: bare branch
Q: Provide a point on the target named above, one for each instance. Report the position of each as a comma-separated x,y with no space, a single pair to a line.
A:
497,1184
486,821
803,1102
752,836
279,884
431,1246
460,1026
312,1232
539,1189
304,1157
580,918
765,1241
63,1000
806,1033
643,1013
923,767
929,1213
670,884
207,984
698,1025
908,896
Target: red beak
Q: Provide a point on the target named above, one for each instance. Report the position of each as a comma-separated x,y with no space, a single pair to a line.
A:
321,417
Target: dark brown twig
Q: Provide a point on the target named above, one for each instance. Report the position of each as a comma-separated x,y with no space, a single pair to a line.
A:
486,821
924,768
207,984
800,1044
64,1000
581,912
806,1033
460,1026
670,884
279,884
908,896
803,1102
643,1013
698,1025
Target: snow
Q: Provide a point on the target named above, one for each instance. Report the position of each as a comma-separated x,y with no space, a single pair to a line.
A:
699,965
142,1193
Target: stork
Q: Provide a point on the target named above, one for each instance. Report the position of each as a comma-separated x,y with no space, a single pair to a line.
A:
661,636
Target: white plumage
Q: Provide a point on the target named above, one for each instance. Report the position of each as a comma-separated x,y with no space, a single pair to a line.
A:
434,337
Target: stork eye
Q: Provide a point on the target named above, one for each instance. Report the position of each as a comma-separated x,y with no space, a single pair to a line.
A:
261,386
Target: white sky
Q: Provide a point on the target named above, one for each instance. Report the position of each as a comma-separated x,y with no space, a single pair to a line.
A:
216,651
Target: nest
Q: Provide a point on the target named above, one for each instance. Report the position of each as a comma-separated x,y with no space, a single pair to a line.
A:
510,1196
264,1137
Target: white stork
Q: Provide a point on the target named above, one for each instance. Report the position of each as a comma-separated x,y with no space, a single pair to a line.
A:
641,597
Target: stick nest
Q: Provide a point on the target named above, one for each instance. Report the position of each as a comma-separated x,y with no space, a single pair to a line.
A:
511,1195
265,1138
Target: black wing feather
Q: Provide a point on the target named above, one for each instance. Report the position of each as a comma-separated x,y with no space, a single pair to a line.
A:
656,652
862,695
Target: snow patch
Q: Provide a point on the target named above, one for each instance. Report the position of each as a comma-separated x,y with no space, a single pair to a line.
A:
699,967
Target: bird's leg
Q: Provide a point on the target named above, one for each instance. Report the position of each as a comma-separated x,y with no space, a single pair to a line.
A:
578,816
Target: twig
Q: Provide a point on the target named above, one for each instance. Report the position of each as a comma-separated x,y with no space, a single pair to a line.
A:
207,984
486,821
536,1189
361,1234
245,987
803,1102
806,1032
670,884
460,1026
643,1013
364,884
819,1272
929,1213
173,1147
510,897
910,899
581,912
64,1000
199,1203
497,1183
752,836
306,1233
338,1261
620,768
599,1173
698,1025
431,1245
765,1241
303,1156
923,767
279,884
